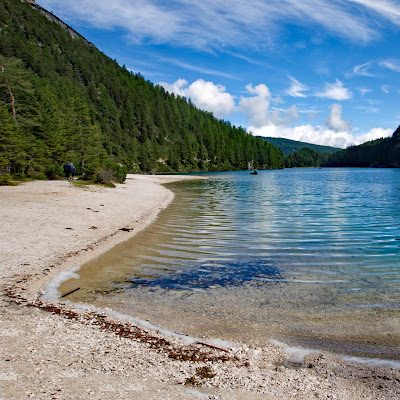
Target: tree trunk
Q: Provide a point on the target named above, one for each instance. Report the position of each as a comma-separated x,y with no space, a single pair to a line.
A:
14,114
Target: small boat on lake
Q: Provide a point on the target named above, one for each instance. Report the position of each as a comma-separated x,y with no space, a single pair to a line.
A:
253,173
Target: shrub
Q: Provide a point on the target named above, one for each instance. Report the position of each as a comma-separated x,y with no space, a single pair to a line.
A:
54,172
110,173
5,180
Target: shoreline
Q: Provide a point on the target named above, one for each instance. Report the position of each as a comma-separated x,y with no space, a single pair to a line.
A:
295,353
35,362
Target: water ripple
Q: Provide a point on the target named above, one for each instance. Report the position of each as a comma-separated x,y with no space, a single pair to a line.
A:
300,253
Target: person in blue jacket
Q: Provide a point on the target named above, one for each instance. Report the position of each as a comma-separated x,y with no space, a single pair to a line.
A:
69,170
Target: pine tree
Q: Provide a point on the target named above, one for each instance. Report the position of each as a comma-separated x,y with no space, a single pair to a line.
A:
8,141
83,138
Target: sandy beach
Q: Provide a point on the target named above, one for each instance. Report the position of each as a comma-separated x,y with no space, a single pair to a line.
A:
57,351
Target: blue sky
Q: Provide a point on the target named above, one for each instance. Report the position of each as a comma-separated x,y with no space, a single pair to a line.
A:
320,71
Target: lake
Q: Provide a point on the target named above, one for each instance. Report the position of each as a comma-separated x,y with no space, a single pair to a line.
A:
309,257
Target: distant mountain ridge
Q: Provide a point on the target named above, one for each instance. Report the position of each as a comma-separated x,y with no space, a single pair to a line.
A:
289,146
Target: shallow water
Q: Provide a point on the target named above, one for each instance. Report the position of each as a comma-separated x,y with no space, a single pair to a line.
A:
306,256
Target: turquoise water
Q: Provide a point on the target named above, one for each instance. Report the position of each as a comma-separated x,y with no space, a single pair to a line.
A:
307,256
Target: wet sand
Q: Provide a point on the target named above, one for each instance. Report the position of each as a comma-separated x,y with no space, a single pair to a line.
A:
58,351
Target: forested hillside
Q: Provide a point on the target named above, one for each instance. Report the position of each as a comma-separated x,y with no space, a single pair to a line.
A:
306,157
62,99
289,146
377,153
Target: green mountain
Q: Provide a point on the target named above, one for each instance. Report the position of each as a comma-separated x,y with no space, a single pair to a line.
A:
62,99
289,146
382,153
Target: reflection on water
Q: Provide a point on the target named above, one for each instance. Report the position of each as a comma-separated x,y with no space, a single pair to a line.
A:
305,256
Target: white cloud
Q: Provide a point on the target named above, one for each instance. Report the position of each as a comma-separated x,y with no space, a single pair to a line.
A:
293,113
375,133
214,98
210,24
204,95
176,87
337,132
267,121
393,65
297,88
335,91
284,117
256,108
320,135
335,120
211,97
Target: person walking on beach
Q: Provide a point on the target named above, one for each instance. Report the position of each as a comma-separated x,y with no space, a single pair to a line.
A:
69,170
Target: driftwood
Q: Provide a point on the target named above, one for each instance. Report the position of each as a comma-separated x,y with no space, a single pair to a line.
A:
213,347
72,291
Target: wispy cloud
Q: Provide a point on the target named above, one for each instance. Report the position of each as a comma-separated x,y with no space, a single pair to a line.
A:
214,24
387,9
364,91
335,91
196,68
363,69
297,88
393,65
248,59
367,109
385,89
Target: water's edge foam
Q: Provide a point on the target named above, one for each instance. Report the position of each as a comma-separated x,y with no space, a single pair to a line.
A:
295,354
52,295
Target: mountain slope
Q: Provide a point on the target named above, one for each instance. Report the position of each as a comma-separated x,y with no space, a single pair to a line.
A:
384,153
289,146
61,98
306,157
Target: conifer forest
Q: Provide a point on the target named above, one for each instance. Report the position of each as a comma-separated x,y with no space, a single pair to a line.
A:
61,99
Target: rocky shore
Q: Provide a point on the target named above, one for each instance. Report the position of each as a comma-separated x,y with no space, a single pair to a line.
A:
60,351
